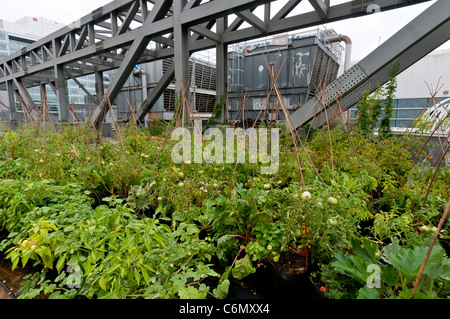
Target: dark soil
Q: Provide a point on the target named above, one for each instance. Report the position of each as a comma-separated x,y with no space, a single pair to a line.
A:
285,279
291,262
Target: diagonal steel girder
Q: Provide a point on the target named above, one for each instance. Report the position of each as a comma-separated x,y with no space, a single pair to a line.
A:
279,23
137,48
195,15
418,38
178,22
156,93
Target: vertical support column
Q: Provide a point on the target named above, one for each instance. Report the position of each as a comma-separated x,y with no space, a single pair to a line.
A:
99,87
267,12
221,61
181,52
91,33
43,91
221,64
193,86
60,86
11,98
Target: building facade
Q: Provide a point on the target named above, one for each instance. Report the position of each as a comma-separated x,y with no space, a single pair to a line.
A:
416,86
16,35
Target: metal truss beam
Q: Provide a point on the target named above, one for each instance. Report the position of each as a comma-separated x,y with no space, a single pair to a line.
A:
286,9
320,7
156,93
418,38
117,35
252,19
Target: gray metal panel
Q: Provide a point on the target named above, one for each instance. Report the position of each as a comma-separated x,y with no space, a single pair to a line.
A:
302,64
255,74
294,65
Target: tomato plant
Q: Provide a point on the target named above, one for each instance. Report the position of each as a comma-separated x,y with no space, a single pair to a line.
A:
116,218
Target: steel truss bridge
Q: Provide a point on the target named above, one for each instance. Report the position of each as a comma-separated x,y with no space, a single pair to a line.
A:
124,33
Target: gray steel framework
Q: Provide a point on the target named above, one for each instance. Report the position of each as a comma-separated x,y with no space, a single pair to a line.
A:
124,33
418,38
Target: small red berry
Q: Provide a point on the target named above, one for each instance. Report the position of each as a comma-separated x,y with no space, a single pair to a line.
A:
393,196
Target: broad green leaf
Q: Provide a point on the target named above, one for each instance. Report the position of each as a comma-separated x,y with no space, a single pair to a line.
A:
393,248
191,293
122,272
438,264
243,268
117,285
221,291
102,283
112,269
389,275
88,266
179,216
367,250
25,257
409,261
367,293
60,263
166,228
46,256
145,274
159,239
352,266
137,276
149,268
15,261
407,294
158,209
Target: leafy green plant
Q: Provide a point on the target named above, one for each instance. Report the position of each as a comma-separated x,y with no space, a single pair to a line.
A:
116,218
370,108
391,87
397,268
114,250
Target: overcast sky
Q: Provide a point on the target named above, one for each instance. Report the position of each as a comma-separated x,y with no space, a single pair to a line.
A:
366,32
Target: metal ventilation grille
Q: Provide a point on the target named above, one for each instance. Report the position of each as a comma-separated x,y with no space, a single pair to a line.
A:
205,79
344,83
204,103
324,72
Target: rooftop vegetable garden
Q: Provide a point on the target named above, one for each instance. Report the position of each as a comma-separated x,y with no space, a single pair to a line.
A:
358,214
